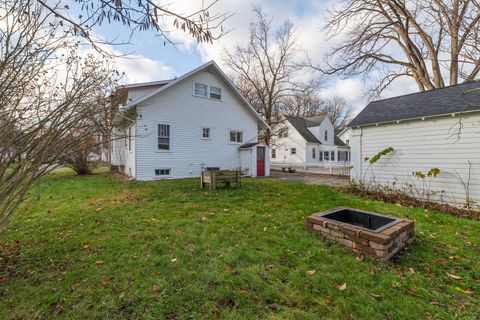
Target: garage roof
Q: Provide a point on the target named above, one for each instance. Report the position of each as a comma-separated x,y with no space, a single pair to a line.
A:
452,99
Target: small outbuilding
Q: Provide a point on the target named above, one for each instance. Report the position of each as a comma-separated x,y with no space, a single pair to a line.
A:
436,129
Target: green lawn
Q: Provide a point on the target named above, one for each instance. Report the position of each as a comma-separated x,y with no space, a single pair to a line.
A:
102,247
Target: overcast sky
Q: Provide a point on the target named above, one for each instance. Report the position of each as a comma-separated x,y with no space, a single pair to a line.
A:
149,59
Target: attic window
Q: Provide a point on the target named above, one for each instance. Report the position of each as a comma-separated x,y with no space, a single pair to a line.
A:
215,93
201,90
326,135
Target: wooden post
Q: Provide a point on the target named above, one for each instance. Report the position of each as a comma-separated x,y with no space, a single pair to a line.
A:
213,180
201,181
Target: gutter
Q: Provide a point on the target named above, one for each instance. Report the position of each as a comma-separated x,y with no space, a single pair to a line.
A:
452,114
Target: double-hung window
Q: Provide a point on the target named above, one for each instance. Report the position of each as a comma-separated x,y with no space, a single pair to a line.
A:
236,136
274,153
164,137
201,90
215,93
205,91
326,135
206,133
314,153
326,155
293,151
333,155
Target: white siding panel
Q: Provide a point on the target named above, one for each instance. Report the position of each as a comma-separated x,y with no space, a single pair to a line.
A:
420,145
283,148
187,115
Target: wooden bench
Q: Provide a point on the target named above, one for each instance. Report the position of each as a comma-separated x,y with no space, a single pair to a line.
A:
215,177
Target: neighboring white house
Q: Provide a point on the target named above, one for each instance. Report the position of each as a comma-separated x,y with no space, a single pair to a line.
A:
177,128
309,143
345,135
432,129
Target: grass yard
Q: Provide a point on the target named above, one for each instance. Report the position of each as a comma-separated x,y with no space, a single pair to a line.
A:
102,247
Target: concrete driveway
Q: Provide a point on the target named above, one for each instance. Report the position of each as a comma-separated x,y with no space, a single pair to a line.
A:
311,178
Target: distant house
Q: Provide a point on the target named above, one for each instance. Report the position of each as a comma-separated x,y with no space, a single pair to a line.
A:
345,135
309,143
432,129
177,128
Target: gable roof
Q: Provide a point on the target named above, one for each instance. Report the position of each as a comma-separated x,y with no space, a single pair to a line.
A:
337,140
301,125
211,64
452,99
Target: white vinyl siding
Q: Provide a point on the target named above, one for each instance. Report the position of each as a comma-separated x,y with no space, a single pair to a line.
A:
187,115
420,145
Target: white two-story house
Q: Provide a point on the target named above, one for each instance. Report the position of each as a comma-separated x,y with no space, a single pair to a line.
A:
177,128
309,143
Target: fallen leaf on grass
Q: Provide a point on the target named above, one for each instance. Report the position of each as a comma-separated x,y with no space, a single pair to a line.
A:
121,295
360,258
311,272
454,277
105,282
85,246
376,296
155,288
242,291
274,306
434,303
342,287
411,270
468,291
174,260
99,209
99,262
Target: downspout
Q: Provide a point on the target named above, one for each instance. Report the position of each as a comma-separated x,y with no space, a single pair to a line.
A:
361,153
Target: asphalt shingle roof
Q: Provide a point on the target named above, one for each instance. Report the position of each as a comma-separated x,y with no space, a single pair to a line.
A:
452,99
301,125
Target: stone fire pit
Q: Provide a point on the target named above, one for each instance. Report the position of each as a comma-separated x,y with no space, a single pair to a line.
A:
368,232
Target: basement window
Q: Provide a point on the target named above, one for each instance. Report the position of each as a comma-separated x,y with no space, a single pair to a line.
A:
162,172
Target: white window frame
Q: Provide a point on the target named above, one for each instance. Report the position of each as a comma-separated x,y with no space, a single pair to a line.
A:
219,93
326,135
169,137
326,155
332,155
314,153
236,140
164,170
293,151
208,91
195,90
209,136
274,154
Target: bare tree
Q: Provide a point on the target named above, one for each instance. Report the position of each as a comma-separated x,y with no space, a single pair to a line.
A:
265,70
136,15
339,111
304,102
431,41
46,88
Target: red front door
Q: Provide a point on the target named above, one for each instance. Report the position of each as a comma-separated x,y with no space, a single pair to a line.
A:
260,161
